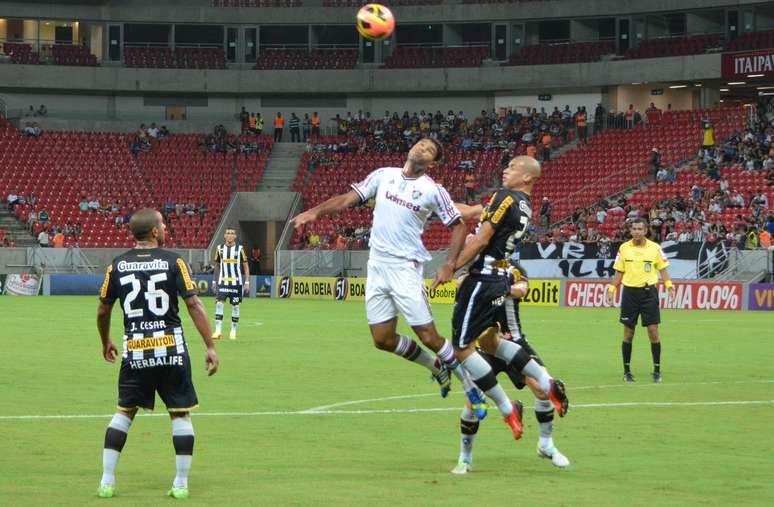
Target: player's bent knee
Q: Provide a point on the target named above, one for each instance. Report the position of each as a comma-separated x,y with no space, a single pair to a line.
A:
488,339
535,388
128,412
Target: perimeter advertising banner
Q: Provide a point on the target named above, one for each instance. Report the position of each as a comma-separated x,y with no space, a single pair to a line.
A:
688,295
761,297
22,285
740,65
542,292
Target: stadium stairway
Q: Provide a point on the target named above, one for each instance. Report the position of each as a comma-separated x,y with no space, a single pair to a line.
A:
282,167
15,229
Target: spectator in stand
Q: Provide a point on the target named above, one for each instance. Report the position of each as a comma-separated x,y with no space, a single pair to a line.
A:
545,142
12,201
42,111
315,121
761,199
580,123
630,117
59,239
314,240
601,215
43,239
737,201
31,219
599,115
306,127
244,119
279,126
31,129
153,131
655,162
255,260
252,124
43,217
295,128
708,137
545,212
341,242
258,124
764,238
662,174
653,114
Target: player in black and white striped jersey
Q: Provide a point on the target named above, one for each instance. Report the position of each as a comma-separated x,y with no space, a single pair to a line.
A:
230,278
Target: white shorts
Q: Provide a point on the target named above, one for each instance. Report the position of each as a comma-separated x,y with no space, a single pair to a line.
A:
396,285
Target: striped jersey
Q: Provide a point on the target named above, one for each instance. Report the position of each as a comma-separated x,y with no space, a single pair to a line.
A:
148,282
230,260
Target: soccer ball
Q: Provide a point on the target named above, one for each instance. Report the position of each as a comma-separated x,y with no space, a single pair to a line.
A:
375,22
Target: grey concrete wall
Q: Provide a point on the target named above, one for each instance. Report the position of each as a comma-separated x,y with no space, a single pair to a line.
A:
186,11
135,82
16,260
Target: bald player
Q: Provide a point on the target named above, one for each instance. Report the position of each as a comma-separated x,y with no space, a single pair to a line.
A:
483,292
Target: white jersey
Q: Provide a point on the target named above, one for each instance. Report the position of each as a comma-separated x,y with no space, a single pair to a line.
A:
403,206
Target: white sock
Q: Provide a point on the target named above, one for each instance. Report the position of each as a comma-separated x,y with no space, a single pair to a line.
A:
183,466
466,441
218,316
234,317
507,350
110,457
182,427
546,428
477,367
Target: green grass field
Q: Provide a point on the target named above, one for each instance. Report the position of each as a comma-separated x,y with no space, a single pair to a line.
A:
698,438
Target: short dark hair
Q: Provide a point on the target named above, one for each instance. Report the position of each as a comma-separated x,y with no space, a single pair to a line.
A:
439,153
142,223
638,221
230,228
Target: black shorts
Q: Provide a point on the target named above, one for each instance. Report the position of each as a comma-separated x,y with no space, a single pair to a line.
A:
509,321
139,382
499,366
636,302
231,292
476,307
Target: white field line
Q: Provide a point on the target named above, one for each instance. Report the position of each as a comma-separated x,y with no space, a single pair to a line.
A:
677,404
324,408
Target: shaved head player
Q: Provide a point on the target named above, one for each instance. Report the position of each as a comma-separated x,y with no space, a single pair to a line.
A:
148,280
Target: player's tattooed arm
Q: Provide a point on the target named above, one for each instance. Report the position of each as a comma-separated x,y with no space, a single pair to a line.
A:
109,351
329,207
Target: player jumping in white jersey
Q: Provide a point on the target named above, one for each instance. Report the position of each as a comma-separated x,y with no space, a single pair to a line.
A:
405,199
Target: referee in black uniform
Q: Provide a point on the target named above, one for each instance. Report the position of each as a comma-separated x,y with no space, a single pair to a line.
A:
637,265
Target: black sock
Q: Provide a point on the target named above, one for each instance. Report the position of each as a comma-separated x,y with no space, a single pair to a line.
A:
655,351
626,351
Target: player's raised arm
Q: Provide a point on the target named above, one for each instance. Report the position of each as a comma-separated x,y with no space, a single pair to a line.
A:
329,207
469,212
360,192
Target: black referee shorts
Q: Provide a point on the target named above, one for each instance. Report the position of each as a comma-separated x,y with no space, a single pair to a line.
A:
476,307
640,302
